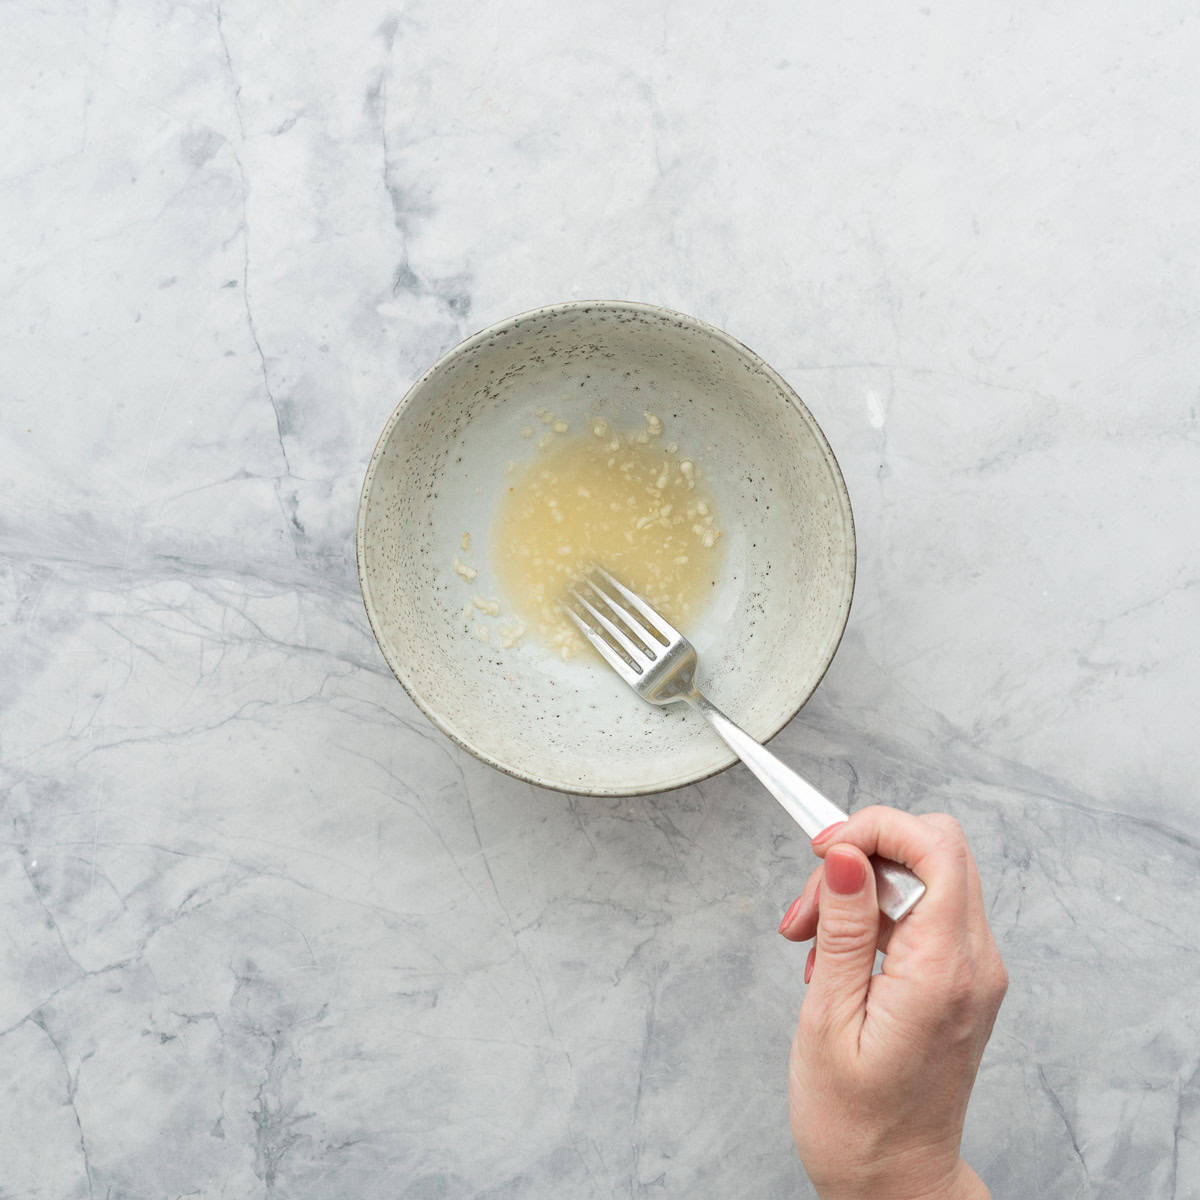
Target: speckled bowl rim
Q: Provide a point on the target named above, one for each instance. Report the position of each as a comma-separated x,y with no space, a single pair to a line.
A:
658,312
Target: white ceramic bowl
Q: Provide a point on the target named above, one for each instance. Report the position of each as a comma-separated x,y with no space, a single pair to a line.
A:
440,467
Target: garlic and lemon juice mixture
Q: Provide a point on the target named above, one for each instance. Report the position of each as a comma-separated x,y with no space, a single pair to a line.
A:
627,501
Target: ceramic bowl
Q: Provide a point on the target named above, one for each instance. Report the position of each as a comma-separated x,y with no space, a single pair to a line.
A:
442,463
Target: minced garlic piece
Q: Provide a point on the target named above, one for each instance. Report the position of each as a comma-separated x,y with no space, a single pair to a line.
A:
468,573
510,635
465,541
491,607
560,426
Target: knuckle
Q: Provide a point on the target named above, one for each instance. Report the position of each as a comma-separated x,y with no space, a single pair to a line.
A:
844,933
961,991
972,987
947,824
873,813
999,981
952,844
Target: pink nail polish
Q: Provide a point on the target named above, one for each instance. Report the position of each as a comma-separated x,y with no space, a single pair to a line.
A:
844,872
808,966
791,912
827,833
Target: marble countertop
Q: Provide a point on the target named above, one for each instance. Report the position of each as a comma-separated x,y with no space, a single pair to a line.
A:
266,932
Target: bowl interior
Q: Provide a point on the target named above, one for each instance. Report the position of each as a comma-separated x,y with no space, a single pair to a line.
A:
442,464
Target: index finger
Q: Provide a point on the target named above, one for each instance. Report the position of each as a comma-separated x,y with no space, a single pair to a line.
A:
929,849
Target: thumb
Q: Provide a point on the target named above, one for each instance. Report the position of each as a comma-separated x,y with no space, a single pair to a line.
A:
847,935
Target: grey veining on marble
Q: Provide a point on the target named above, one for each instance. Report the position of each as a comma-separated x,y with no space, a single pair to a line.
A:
265,932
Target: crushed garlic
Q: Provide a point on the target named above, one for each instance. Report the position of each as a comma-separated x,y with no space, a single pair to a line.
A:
610,497
510,635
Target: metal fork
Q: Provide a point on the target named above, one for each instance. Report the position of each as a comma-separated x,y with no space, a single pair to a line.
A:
659,663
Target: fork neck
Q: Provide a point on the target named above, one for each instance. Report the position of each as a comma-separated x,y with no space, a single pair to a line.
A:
682,688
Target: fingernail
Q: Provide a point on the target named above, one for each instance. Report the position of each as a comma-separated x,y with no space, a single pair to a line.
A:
808,966
844,872
791,912
827,833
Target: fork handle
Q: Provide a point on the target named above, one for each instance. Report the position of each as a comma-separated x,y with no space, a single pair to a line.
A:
897,888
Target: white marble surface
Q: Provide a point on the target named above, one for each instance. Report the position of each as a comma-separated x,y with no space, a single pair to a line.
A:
266,933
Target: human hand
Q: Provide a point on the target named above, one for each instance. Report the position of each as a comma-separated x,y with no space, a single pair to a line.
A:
882,1065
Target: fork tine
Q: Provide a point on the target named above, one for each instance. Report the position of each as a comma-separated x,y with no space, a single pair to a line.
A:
657,625
647,642
596,639
618,634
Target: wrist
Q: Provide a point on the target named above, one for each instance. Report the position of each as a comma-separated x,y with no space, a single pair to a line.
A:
961,1183
964,1184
